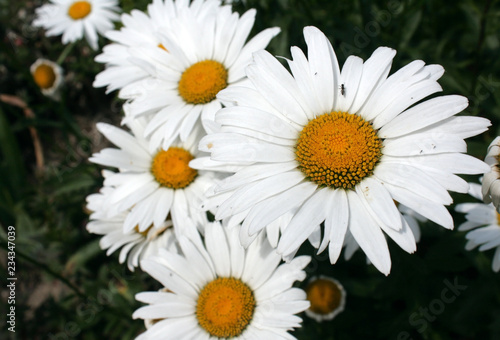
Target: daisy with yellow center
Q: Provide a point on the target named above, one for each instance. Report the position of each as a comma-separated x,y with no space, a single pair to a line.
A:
151,184
335,148
48,76
206,52
327,297
217,289
134,245
76,19
483,225
124,57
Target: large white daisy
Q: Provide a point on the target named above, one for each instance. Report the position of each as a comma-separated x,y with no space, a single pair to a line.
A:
339,147
485,221
76,19
124,57
491,179
151,184
220,290
135,246
204,54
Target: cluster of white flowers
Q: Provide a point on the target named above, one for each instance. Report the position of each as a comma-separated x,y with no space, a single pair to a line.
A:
344,157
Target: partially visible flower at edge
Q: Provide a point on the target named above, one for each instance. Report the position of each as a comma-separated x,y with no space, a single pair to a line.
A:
220,290
485,220
491,180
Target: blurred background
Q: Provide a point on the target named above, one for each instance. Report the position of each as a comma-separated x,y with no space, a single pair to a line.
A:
67,288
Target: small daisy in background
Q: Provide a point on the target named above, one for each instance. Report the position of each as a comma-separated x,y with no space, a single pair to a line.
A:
135,245
153,184
48,76
220,290
339,147
190,58
491,180
76,19
485,220
327,297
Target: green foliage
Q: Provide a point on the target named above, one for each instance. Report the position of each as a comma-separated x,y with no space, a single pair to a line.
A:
68,288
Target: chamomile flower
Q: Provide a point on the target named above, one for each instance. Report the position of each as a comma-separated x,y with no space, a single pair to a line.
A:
48,76
151,184
491,180
76,19
485,221
327,297
220,290
201,55
135,246
339,147
124,56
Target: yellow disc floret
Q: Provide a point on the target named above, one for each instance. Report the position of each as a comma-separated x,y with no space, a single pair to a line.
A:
201,82
324,295
338,150
171,168
79,10
44,76
225,307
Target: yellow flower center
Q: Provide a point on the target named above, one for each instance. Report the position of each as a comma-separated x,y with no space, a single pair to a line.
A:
338,150
324,295
171,168
225,307
44,76
201,82
79,10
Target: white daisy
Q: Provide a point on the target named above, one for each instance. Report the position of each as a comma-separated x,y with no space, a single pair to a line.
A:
204,54
48,76
327,297
411,218
485,221
76,19
340,147
152,184
221,290
491,182
135,245
124,57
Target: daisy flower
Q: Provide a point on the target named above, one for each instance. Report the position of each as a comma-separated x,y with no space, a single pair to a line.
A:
204,54
123,57
327,297
75,19
219,290
48,76
338,147
485,221
135,245
491,183
151,184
